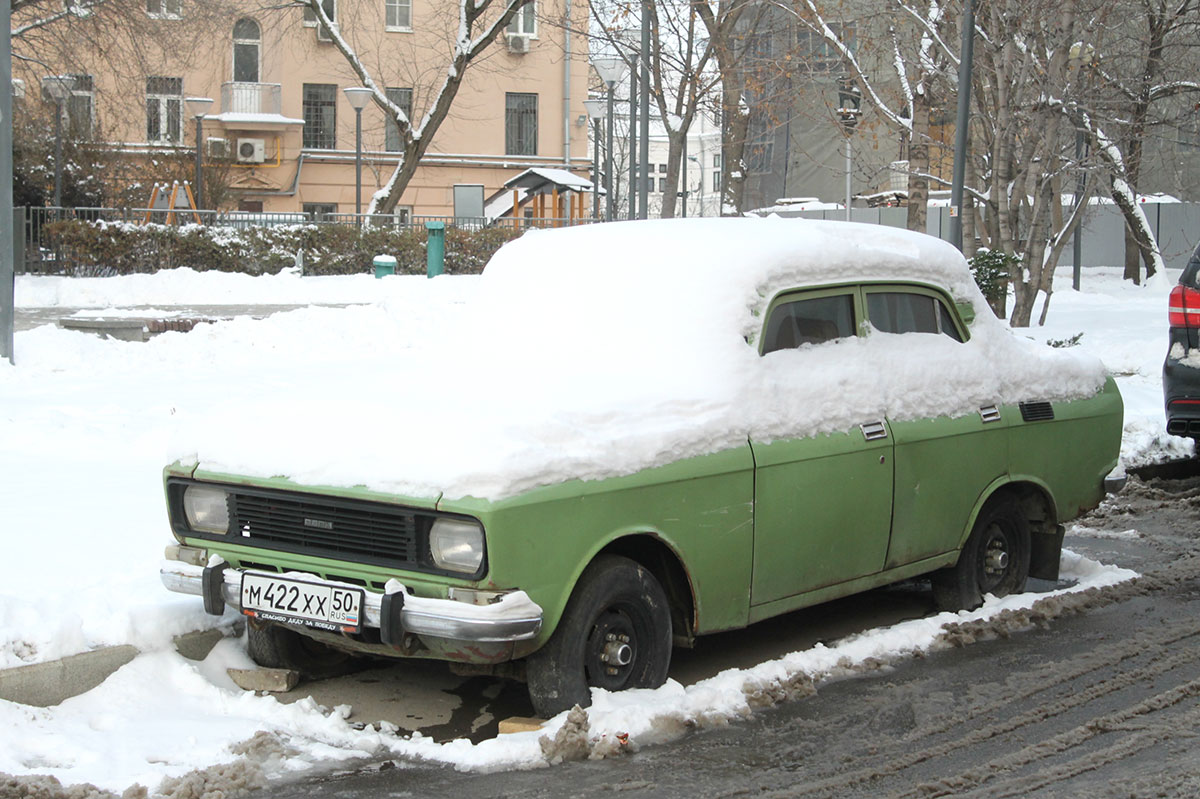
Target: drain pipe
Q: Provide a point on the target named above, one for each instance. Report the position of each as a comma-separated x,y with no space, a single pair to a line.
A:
566,111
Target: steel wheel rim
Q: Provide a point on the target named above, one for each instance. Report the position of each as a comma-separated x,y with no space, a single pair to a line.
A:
995,557
612,649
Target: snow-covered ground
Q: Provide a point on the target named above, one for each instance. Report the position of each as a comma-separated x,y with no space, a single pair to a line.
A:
86,426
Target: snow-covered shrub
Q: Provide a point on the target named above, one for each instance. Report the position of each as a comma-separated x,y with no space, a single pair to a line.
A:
331,249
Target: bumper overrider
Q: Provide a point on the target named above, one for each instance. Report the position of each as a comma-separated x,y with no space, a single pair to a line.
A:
514,617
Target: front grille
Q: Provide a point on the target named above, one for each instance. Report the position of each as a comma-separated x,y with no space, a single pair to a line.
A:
340,529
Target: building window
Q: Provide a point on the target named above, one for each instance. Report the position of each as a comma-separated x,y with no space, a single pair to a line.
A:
818,54
716,175
164,9
759,154
402,98
662,185
524,22
330,8
398,15
319,212
320,116
247,39
520,123
80,107
164,110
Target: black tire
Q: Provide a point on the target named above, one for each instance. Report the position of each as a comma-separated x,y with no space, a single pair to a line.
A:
614,634
995,559
276,647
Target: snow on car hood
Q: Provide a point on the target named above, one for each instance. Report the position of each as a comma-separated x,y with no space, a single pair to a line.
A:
598,351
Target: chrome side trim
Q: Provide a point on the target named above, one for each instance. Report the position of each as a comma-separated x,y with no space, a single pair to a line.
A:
989,413
873,431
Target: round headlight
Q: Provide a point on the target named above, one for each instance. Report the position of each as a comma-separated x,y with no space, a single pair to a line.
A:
206,508
456,545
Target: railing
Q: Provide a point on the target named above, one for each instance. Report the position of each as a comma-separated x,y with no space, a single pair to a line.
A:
251,98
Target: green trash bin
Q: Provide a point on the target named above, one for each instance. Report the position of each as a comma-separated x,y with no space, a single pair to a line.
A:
384,265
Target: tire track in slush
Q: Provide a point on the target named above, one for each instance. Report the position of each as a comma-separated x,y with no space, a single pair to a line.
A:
1138,739
1148,645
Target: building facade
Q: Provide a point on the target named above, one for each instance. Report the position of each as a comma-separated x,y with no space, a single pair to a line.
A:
280,134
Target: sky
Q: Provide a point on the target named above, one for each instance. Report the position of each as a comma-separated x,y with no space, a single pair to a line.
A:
87,425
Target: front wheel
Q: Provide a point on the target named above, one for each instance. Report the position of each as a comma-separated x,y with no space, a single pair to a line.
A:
994,561
277,647
614,634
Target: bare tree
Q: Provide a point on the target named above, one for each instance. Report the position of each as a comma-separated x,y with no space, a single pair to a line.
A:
128,39
916,77
682,67
477,24
1145,62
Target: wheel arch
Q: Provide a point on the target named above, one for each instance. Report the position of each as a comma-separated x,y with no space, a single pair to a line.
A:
657,556
1036,500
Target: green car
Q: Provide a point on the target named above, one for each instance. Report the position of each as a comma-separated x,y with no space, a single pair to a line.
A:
655,431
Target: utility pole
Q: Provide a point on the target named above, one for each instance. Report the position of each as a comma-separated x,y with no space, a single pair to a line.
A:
8,243
962,122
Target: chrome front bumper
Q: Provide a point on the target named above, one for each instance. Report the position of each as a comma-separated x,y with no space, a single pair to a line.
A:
514,618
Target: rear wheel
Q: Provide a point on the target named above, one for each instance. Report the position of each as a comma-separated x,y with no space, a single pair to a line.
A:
276,647
994,561
614,634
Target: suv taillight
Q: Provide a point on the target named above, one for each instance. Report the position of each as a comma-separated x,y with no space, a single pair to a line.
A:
1184,307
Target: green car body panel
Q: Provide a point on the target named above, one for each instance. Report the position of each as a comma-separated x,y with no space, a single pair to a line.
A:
749,532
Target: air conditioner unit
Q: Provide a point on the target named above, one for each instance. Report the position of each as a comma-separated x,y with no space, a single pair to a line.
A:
323,34
217,147
251,151
518,43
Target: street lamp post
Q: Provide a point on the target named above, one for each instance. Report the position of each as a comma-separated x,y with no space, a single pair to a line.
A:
596,109
700,170
683,194
610,70
198,107
57,88
849,103
358,96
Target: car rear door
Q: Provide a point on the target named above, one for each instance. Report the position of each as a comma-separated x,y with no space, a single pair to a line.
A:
942,464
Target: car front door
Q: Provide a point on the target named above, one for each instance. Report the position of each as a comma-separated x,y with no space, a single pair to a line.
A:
823,503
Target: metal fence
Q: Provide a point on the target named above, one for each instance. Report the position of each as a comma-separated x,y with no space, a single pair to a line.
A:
1176,227
42,254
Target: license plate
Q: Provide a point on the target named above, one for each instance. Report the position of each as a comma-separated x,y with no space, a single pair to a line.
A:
326,607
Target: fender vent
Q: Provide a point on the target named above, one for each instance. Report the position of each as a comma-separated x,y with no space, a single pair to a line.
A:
1037,411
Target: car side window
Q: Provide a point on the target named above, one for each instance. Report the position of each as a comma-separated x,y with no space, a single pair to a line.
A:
809,321
907,312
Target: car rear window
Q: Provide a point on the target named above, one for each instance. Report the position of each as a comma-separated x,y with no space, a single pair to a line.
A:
809,321
1191,272
905,312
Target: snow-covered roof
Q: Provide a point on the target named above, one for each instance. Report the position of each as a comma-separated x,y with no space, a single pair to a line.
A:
537,177
235,118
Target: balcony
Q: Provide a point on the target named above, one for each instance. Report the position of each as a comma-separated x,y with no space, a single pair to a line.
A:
251,98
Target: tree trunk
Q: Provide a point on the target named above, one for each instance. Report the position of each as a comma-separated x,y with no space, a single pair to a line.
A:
918,164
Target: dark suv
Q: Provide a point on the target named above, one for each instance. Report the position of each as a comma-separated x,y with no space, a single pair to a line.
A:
1181,370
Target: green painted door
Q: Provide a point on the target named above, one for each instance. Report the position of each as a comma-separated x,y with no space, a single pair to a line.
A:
822,510
942,467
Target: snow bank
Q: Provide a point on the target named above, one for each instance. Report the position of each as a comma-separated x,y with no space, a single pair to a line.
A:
130,728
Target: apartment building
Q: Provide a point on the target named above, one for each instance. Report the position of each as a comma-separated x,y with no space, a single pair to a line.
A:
280,134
